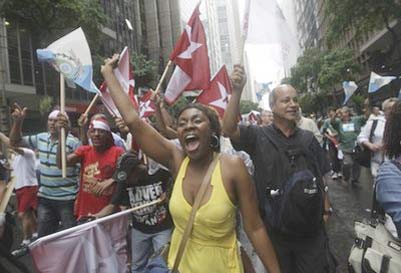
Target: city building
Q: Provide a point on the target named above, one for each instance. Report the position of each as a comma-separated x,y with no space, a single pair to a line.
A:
150,27
368,48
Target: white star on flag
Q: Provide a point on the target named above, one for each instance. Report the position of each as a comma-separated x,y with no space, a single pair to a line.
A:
218,94
145,107
223,100
190,56
193,46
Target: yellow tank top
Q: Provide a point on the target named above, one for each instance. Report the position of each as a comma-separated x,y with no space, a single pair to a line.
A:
212,246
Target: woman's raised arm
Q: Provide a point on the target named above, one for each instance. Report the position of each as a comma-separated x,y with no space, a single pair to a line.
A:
151,142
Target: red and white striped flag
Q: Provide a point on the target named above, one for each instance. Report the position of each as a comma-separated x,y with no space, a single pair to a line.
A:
124,75
217,95
98,246
190,55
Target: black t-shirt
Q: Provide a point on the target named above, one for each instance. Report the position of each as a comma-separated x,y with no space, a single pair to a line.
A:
150,219
266,158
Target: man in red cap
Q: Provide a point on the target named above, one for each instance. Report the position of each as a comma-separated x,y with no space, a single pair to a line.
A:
98,163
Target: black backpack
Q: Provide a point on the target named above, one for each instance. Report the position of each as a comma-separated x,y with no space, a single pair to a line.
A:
293,204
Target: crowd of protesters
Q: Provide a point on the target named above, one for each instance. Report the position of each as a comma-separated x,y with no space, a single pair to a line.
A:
107,172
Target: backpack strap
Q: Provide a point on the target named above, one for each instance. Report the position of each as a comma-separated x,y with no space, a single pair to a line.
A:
303,144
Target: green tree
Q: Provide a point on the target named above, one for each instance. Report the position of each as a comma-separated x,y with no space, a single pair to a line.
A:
306,69
322,71
50,19
362,16
337,66
247,106
144,70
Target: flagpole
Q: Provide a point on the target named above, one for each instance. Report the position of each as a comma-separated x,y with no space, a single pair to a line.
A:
63,133
97,221
245,27
91,104
163,76
7,195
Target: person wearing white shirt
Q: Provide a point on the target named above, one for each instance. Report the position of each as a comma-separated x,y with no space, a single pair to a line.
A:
375,143
26,187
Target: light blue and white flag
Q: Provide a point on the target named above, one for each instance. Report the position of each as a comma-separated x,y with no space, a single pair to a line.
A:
349,90
262,89
71,56
376,81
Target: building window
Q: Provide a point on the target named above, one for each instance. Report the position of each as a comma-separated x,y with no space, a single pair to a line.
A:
19,55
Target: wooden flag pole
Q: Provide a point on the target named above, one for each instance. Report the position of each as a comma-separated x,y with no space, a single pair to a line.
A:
163,76
91,104
63,133
7,194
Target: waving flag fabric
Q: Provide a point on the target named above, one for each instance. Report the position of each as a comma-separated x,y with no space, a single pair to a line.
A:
349,90
217,95
146,105
98,246
124,75
71,56
376,81
253,117
190,55
263,88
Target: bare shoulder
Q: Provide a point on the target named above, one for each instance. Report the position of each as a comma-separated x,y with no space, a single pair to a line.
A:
231,164
178,157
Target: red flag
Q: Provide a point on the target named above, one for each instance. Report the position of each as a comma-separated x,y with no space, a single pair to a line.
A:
125,77
146,105
98,246
218,94
253,117
190,55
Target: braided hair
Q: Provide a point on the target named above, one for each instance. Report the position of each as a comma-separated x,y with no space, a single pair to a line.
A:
392,132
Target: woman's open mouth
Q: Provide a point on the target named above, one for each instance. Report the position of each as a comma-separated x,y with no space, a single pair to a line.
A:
191,143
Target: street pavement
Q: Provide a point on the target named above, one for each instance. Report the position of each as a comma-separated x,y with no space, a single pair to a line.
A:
350,204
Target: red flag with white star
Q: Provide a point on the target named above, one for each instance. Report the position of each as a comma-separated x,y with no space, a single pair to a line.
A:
218,94
125,76
146,105
190,55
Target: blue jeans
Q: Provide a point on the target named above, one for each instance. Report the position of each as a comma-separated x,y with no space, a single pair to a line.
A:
143,245
51,212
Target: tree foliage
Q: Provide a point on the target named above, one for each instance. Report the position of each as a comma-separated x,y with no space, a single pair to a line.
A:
50,19
306,69
45,105
337,66
144,70
314,102
247,106
318,70
360,16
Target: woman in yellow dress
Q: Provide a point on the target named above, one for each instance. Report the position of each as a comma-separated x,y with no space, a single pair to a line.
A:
212,246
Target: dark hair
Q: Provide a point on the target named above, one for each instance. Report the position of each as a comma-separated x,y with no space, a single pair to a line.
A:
331,108
392,132
211,115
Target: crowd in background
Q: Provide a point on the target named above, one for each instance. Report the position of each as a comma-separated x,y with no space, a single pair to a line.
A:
107,172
